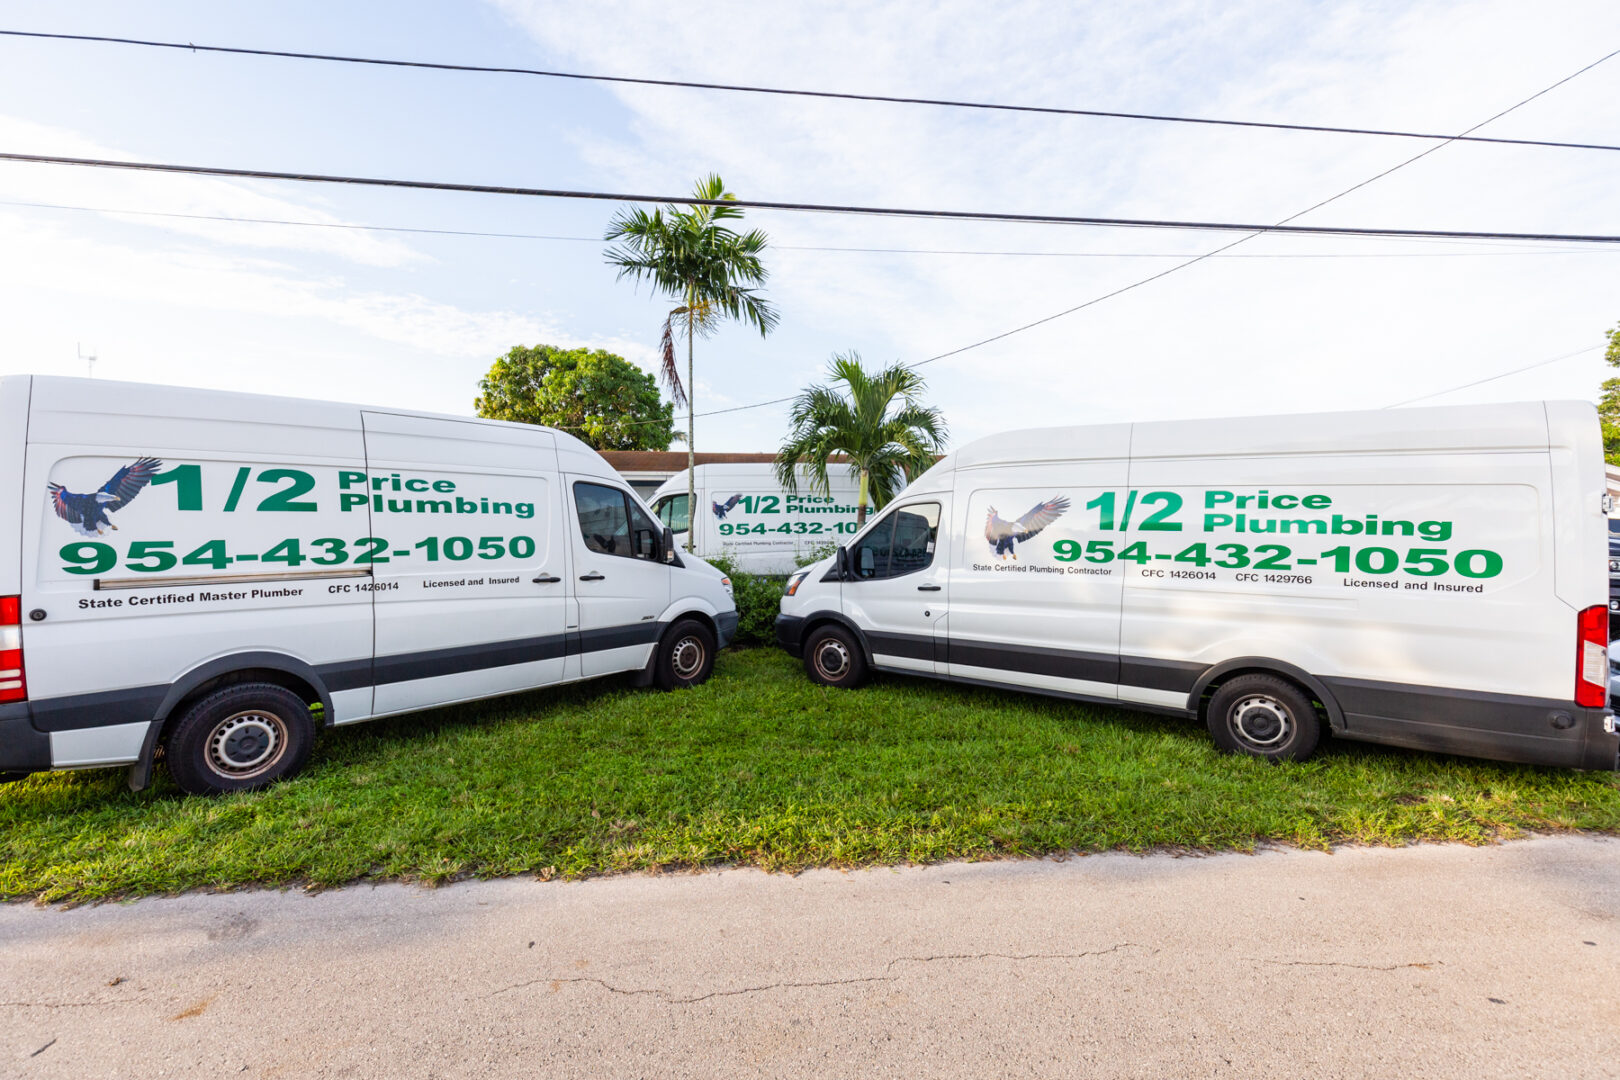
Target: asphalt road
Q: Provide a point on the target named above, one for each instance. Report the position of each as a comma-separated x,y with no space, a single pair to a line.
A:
1429,961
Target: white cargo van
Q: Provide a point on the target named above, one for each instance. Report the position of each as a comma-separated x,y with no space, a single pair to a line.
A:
1431,578
746,515
216,573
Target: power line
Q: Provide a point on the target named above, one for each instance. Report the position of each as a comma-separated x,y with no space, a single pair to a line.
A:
1493,378
823,208
347,225
1281,226
785,92
1226,247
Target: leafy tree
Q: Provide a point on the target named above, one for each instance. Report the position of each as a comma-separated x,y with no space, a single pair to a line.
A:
602,398
875,419
713,273
1609,403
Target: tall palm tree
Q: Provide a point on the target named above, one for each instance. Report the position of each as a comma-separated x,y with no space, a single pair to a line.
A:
876,421
713,272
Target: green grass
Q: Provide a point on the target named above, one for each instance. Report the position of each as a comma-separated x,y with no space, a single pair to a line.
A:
757,767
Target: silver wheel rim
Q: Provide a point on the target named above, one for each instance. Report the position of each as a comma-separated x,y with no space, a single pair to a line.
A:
832,659
687,657
247,744
1261,722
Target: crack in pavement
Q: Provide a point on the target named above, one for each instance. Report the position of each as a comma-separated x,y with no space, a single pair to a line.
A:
667,998
1424,965
63,1004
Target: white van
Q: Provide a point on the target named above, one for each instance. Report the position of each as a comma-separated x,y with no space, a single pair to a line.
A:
218,573
1432,578
746,515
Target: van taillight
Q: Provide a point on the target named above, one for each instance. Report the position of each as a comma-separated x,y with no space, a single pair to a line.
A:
13,687
1592,658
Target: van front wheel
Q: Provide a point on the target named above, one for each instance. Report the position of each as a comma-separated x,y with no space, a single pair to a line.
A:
240,738
1264,716
685,655
832,657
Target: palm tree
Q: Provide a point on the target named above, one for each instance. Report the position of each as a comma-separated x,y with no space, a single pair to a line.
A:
876,422
713,272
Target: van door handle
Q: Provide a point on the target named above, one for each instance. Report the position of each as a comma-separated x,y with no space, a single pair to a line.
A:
592,576
928,588
547,579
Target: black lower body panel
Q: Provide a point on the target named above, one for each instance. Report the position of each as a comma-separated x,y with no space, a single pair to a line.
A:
1503,727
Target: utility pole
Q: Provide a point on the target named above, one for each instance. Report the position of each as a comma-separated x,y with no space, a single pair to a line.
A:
89,361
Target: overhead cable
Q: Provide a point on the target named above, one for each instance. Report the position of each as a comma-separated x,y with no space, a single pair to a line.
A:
815,208
187,46
1499,249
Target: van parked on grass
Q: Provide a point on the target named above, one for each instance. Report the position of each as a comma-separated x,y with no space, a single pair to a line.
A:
215,573
1432,578
746,515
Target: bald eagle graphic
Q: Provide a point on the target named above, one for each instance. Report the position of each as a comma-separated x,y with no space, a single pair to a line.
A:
721,509
1001,534
88,513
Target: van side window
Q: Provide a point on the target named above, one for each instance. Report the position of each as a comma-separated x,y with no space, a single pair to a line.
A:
613,525
902,543
673,511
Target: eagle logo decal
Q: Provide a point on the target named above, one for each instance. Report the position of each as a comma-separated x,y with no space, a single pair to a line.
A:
88,513
1001,534
721,509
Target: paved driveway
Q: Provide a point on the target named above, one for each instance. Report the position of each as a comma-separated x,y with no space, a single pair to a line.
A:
1426,961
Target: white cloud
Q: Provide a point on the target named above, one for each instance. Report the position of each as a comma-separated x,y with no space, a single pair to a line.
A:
1230,336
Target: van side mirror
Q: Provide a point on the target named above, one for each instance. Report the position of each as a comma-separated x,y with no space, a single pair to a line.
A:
843,563
646,545
667,541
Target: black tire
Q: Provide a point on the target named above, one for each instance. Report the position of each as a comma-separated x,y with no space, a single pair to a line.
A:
685,655
833,657
1264,716
240,738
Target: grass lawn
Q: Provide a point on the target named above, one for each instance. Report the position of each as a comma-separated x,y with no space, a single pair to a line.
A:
757,767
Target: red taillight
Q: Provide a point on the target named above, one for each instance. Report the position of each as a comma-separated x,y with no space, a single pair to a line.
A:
1592,658
13,687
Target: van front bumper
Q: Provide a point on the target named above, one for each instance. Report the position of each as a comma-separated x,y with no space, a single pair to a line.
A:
790,633
23,747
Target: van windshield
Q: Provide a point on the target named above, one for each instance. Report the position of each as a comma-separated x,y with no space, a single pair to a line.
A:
674,512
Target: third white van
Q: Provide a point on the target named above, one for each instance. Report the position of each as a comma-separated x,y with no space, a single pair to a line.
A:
744,513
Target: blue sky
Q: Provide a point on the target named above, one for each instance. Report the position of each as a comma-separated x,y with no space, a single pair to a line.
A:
412,321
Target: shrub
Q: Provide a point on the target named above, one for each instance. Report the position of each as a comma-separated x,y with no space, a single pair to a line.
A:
759,601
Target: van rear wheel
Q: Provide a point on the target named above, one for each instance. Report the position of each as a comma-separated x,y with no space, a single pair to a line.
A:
1264,716
685,655
832,657
240,738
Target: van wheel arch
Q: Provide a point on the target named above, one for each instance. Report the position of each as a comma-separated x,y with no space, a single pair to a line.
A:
822,618
645,676
1314,688
284,671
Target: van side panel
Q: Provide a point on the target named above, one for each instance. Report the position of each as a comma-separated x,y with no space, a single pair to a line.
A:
1420,585
473,517
221,488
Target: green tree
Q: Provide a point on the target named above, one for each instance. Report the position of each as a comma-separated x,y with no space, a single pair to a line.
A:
1609,403
876,420
712,272
602,398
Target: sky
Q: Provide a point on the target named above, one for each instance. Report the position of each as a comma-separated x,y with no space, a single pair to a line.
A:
1279,325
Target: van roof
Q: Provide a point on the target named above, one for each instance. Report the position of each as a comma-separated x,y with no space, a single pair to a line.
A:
122,398
1501,427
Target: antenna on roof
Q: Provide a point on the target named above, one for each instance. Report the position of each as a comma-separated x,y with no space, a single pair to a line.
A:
89,361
